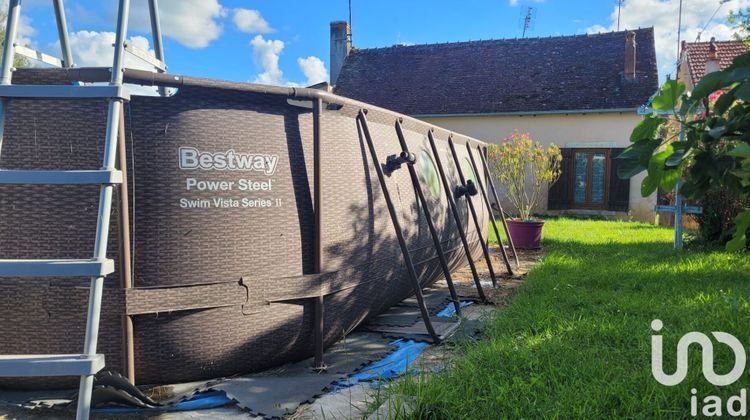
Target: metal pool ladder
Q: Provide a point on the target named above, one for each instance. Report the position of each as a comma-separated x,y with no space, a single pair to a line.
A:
88,362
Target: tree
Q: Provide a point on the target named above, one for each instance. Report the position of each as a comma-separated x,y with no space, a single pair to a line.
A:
741,21
710,148
18,61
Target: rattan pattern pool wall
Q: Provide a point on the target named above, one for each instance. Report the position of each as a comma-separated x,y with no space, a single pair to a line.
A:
218,291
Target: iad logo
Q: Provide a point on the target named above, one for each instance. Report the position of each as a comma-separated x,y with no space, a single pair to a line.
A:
710,405
707,347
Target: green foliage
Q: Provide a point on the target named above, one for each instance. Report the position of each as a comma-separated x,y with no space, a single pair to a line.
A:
575,341
520,159
668,96
646,129
18,61
742,223
740,20
720,207
712,149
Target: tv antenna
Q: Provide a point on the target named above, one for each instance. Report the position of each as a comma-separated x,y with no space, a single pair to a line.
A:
619,9
528,20
708,22
350,22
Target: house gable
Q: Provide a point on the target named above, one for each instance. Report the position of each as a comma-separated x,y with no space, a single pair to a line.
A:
695,56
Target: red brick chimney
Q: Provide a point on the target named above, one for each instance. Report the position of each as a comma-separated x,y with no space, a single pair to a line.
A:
630,56
341,46
712,64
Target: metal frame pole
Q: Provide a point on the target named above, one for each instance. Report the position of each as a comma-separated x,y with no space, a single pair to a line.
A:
11,28
456,216
62,31
678,199
499,206
489,209
105,208
473,211
430,224
318,302
362,120
678,216
153,9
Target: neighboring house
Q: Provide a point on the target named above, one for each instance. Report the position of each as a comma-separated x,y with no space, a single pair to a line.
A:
700,58
580,92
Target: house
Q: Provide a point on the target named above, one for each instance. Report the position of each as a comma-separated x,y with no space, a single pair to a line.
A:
700,58
579,92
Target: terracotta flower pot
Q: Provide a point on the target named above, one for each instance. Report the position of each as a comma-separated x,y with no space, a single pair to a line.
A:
526,234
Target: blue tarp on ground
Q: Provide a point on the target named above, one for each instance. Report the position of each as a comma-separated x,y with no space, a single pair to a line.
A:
200,401
450,310
396,363
392,366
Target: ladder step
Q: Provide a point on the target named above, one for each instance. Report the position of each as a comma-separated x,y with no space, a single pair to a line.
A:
145,56
60,177
51,365
64,91
37,55
56,268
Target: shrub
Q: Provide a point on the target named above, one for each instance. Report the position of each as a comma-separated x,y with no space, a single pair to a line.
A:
523,166
720,207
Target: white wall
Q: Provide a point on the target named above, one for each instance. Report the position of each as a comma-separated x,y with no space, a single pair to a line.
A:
610,129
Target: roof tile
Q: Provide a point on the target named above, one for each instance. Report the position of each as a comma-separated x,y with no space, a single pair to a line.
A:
697,56
581,72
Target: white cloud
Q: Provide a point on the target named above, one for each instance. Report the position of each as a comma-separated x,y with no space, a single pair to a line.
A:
662,15
251,21
26,30
314,69
266,54
192,23
94,49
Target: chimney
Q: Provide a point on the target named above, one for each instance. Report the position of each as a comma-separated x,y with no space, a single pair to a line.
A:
341,44
630,56
712,64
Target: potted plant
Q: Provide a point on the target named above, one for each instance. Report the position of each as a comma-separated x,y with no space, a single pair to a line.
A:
523,166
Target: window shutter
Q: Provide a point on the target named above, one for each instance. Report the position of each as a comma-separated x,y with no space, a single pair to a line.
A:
619,189
559,193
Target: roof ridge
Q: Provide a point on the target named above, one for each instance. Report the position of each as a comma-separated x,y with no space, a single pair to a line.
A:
477,41
500,76
729,41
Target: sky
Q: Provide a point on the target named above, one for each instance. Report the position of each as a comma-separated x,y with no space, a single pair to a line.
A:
286,42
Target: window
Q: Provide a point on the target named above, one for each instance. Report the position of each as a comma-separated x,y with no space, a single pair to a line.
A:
429,173
468,170
590,172
589,181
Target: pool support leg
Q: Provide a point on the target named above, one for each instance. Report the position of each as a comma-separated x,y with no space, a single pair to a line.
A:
362,120
430,224
456,217
491,183
473,211
486,201
126,272
318,302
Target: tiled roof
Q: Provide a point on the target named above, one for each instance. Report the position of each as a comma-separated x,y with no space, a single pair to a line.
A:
697,55
581,72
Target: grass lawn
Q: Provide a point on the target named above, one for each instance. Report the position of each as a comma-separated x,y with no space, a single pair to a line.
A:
576,339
